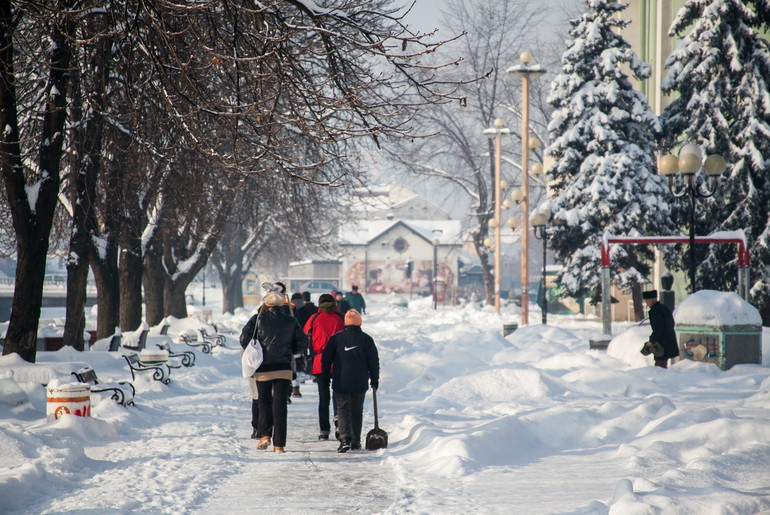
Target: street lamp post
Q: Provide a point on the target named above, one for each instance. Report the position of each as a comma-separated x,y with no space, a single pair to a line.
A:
525,71
689,163
435,272
498,132
539,222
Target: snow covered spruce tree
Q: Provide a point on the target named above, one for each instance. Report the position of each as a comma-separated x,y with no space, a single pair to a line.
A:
603,140
720,75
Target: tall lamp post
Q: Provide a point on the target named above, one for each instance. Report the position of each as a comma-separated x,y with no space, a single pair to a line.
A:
525,71
539,221
498,132
435,272
682,176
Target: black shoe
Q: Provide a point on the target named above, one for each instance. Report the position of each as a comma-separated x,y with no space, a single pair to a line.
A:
323,436
344,446
355,447
254,434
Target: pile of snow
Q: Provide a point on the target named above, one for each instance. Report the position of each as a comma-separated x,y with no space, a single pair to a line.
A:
716,308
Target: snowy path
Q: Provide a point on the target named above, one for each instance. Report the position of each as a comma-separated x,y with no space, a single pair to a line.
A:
310,477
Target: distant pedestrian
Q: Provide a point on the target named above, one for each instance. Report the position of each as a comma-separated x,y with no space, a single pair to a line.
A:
662,323
351,360
297,303
342,305
306,310
281,337
356,300
303,314
320,327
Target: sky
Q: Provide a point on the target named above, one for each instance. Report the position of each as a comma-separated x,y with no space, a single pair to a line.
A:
535,423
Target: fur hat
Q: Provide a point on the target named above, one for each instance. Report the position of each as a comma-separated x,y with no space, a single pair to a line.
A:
353,317
273,299
652,294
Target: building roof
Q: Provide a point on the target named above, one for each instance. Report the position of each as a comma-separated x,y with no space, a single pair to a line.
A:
448,232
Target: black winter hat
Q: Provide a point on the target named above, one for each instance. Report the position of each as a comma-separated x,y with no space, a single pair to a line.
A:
651,294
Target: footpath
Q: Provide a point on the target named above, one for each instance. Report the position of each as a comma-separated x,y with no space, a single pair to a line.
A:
310,477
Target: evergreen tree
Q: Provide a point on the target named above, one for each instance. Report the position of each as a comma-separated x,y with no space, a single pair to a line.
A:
603,141
720,74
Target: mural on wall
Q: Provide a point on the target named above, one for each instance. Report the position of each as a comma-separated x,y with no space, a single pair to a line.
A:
397,276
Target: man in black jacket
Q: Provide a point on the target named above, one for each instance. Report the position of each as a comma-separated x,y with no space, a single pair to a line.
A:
662,323
351,360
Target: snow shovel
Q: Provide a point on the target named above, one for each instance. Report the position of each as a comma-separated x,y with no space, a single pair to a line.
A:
376,438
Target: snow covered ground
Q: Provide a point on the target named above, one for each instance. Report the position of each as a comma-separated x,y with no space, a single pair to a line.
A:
532,423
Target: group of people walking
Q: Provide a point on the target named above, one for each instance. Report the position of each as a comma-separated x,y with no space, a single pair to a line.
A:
345,363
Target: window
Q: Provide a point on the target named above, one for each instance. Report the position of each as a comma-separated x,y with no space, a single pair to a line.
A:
400,245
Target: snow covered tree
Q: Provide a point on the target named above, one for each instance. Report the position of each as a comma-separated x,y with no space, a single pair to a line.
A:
720,74
603,141
243,86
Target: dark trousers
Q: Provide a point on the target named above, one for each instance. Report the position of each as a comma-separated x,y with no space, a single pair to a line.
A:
350,413
272,409
255,413
324,398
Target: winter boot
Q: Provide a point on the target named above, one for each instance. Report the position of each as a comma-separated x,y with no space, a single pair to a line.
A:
344,445
264,443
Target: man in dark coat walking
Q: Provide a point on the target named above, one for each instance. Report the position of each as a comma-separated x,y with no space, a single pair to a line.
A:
351,360
662,322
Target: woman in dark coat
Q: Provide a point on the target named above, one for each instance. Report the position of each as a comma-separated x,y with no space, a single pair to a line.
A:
281,337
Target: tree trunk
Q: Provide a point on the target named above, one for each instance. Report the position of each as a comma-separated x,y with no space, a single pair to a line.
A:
31,220
238,291
231,291
636,296
107,292
86,143
130,282
174,298
153,280
21,336
77,279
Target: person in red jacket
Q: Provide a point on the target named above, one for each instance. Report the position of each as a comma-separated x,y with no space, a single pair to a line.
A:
319,328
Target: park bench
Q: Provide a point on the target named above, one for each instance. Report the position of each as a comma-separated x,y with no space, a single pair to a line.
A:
188,356
214,339
115,342
160,371
120,391
220,329
205,346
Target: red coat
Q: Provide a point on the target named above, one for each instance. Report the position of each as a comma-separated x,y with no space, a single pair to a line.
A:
323,325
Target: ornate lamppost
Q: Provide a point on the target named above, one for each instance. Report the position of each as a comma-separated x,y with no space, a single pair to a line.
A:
525,71
539,222
683,178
